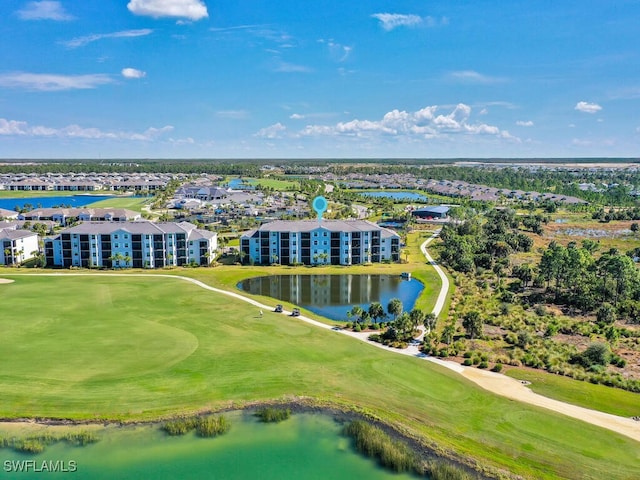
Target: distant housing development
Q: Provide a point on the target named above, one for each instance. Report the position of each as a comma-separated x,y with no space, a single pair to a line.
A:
131,244
64,216
336,242
17,246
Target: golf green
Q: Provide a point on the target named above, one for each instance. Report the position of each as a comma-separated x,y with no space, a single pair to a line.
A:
132,348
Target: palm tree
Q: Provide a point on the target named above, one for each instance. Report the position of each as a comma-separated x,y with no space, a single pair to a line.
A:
394,307
127,260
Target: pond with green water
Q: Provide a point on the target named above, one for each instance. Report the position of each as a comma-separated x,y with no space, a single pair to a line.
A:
306,446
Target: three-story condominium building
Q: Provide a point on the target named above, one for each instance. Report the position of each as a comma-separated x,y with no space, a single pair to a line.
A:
312,242
131,244
17,246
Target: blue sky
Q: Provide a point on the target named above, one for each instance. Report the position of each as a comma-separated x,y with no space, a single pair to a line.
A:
258,79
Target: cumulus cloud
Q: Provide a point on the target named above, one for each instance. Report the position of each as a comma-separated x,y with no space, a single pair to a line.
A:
133,73
425,123
471,76
587,107
82,41
44,10
20,128
272,131
389,21
191,9
47,82
524,123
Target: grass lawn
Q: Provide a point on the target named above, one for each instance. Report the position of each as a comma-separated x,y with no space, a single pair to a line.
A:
585,394
47,193
140,348
130,203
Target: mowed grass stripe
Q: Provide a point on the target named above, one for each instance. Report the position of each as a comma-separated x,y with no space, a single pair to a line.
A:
241,358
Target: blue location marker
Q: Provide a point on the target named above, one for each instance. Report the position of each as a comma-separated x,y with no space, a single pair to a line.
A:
320,205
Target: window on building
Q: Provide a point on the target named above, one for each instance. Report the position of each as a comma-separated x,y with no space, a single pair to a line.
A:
115,236
315,242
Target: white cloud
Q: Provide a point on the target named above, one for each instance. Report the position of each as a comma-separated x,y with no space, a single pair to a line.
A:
292,68
82,41
296,116
338,52
133,73
13,128
272,131
45,10
191,9
389,21
524,123
232,114
587,107
484,111
424,123
471,76
51,82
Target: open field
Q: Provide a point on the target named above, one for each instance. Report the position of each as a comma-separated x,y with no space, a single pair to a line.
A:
585,394
130,203
30,194
140,348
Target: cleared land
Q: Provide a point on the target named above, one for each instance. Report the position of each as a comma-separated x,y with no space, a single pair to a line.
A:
152,347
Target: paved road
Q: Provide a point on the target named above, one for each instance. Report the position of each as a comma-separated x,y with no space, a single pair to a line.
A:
493,382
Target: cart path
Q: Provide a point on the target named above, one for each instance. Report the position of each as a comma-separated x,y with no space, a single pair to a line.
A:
491,381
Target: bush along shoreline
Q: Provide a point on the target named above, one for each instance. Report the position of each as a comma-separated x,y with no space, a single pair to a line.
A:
273,415
35,444
207,427
395,455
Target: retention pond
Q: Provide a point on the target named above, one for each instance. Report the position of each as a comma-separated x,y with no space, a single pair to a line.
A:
332,296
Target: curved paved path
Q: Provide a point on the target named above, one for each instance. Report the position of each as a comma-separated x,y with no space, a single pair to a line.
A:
493,382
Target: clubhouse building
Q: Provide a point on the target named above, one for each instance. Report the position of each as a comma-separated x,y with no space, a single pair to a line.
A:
131,244
335,242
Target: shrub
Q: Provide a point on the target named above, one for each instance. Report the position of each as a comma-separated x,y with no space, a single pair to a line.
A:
483,364
446,471
212,426
467,362
180,426
540,310
80,439
497,368
30,445
373,442
273,415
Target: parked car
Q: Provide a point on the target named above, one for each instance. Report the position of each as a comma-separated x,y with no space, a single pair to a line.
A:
278,309
295,312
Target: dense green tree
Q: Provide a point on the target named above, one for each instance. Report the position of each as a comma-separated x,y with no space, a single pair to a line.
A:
472,323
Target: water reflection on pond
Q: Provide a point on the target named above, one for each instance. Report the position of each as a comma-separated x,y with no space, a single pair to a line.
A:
333,295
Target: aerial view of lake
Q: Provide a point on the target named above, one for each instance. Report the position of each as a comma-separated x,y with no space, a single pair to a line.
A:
332,296
306,446
48,202
409,196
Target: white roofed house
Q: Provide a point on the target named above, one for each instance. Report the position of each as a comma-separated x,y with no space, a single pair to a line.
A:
17,246
336,242
65,216
8,214
131,244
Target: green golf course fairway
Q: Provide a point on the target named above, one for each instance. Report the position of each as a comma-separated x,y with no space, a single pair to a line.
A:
100,347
